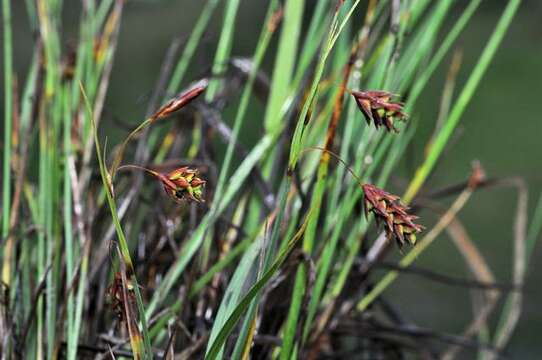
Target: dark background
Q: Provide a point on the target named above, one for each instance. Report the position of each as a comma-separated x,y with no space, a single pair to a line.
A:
501,128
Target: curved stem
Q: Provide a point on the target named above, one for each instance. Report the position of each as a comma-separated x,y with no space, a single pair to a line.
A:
338,158
120,154
137,167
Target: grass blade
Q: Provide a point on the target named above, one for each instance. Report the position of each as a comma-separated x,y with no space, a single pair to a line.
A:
8,119
243,304
464,98
124,251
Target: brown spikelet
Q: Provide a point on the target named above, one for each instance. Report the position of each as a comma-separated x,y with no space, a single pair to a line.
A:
387,208
379,108
183,184
180,101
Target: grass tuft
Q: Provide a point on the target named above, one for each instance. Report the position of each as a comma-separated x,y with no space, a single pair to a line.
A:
260,246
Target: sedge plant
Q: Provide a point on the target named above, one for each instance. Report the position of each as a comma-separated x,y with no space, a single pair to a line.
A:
190,238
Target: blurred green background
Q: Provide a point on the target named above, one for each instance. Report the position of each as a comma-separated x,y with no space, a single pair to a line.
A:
501,128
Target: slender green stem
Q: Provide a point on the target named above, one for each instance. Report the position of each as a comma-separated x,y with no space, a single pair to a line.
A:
284,61
224,48
263,42
8,118
448,41
68,231
191,45
120,154
123,244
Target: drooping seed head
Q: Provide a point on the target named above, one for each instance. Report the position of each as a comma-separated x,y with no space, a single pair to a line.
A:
183,184
388,209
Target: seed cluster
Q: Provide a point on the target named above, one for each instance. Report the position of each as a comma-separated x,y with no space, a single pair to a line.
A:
388,209
183,184
379,108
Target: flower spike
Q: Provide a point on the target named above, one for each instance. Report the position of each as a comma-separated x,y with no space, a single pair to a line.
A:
181,184
387,208
180,101
379,108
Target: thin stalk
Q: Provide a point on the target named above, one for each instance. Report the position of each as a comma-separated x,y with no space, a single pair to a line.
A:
8,118
68,231
436,59
259,53
219,66
284,61
224,48
123,244
120,154
191,45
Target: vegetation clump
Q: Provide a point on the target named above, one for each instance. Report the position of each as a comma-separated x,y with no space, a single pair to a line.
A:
264,251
